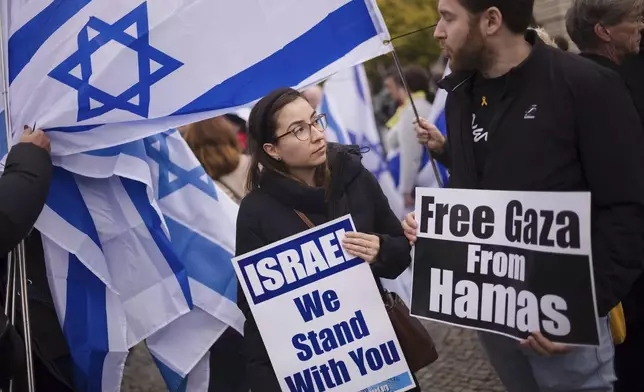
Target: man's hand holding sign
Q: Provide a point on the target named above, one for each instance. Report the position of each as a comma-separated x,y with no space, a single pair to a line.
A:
333,332
512,263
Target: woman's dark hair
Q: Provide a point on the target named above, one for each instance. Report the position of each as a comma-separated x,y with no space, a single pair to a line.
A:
262,125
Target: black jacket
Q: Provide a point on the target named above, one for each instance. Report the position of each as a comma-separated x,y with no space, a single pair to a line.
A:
632,71
267,215
23,192
586,136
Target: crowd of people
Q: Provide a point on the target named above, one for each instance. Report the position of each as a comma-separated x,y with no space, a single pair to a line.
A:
523,114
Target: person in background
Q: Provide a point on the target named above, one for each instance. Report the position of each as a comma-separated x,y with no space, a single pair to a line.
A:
608,32
314,95
294,170
628,355
396,90
242,130
558,123
401,136
215,145
632,70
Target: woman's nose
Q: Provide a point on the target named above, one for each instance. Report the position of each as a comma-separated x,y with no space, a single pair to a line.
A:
316,134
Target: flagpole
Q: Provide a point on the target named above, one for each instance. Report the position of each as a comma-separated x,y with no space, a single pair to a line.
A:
413,105
20,263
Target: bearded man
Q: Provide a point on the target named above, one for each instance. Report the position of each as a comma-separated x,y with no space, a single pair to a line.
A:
523,116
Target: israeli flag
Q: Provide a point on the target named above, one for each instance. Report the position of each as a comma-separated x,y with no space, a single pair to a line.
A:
347,104
350,117
100,73
138,244
137,238
436,117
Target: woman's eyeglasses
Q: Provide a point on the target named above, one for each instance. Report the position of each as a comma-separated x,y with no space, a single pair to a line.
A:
302,131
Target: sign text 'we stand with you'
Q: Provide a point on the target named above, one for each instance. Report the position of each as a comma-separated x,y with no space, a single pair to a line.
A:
321,315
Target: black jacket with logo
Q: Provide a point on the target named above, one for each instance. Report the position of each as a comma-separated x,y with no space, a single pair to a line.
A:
584,135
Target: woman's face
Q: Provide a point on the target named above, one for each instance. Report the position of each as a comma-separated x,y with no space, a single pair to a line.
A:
299,145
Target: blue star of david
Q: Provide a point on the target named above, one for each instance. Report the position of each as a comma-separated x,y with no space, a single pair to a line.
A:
140,44
194,177
376,148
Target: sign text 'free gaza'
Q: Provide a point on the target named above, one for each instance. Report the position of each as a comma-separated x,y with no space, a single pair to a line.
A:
506,262
321,316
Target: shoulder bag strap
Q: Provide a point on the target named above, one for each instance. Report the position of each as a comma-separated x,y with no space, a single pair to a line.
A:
305,219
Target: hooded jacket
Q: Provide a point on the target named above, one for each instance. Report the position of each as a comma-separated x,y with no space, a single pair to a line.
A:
267,215
563,124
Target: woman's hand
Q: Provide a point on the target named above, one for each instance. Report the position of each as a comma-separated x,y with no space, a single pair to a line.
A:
364,246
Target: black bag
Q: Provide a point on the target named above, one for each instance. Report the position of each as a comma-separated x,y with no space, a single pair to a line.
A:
416,343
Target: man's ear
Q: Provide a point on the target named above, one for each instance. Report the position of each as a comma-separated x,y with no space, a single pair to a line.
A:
492,20
272,151
602,33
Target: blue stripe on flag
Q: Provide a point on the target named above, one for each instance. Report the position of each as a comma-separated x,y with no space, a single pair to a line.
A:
25,42
394,168
135,149
331,39
359,88
67,201
85,325
205,261
174,381
139,196
332,123
441,124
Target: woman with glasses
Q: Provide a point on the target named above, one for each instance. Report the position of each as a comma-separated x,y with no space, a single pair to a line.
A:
294,169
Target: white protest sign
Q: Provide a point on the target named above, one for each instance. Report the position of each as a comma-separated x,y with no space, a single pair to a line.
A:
506,262
321,316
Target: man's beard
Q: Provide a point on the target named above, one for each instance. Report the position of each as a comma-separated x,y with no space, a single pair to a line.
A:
473,55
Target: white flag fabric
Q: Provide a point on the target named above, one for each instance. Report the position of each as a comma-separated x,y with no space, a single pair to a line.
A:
99,73
347,103
138,245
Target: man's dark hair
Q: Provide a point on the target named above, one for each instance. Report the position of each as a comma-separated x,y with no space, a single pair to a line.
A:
416,77
517,14
393,74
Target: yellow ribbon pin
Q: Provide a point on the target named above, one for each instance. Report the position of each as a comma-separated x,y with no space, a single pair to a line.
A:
483,101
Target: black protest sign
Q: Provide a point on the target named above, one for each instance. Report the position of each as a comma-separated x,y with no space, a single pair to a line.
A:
506,262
